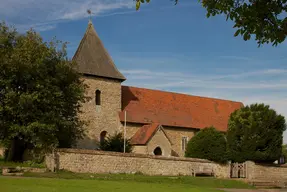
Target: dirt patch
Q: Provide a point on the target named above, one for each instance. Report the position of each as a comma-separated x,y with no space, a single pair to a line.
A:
254,190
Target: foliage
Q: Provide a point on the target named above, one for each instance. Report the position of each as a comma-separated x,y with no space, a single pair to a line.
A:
255,133
40,94
264,19
284,151
116,143
4,163
208,144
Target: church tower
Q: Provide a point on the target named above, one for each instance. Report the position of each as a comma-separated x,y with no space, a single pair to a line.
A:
104,80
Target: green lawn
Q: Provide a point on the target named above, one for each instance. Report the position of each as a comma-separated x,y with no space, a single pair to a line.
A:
71,185
179,180
67,181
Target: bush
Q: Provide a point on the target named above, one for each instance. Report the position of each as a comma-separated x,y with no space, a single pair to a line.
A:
116,143
255,133
208,144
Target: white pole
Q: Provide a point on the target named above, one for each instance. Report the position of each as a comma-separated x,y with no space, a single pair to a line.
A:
125,131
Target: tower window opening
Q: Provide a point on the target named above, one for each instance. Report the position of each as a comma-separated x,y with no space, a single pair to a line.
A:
98,97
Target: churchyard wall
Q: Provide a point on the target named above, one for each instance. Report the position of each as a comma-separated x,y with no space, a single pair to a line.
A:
92,161
263,172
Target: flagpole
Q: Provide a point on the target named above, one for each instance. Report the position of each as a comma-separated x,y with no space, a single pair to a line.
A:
125,131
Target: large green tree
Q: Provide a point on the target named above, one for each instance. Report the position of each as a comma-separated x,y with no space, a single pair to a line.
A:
40,94
208,144
255,133
264,19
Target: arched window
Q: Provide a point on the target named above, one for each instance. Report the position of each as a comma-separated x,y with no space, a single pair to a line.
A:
98,97
157,151
103,136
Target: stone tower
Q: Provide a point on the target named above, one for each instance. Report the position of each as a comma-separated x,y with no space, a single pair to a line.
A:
104,88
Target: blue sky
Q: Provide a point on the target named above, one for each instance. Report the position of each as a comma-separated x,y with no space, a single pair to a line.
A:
167,47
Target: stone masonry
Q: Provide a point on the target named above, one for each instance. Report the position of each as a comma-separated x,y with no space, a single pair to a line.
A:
159,140
2,150
175,135
172,148
263,172
104,117
91,161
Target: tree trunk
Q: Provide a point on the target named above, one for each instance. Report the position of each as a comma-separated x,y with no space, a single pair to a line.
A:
16,150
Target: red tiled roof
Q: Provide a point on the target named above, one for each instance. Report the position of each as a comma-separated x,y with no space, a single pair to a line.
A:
143,135
174,109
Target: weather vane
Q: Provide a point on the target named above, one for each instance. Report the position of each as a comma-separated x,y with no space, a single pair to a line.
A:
90,14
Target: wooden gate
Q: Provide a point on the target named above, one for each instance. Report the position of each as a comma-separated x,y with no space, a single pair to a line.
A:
238,170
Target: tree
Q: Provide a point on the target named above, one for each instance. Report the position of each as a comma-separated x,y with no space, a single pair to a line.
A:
40,94
284,151
116,143
208,144
255,133
264,19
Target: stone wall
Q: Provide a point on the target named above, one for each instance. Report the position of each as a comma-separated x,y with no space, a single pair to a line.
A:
131,129
160,140
173,147
91,161
104,117
2,150
175,135
266,172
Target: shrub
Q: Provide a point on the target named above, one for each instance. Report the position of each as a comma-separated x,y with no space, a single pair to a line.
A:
116,143
255,133
208,144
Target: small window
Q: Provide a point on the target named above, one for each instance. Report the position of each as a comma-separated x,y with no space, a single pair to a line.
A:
98,97
184,141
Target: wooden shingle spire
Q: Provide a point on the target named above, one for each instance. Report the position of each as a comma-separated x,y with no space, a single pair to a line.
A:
93,59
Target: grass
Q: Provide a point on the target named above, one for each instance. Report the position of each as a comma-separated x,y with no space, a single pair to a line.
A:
137,178
48,185
67,181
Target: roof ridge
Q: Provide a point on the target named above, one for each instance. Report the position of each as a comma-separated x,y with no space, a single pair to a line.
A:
163,91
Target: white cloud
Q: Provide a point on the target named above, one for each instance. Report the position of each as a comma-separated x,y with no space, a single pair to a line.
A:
227,81
231,57
249,87
78,9
29,13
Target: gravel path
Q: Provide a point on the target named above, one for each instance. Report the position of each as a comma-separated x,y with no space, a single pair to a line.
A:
255,190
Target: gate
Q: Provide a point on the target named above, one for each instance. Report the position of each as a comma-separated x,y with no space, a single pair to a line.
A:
238,170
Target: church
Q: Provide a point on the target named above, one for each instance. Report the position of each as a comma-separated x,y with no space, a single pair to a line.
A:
157,122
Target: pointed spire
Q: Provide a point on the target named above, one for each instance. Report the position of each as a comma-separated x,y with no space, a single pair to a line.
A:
93,59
